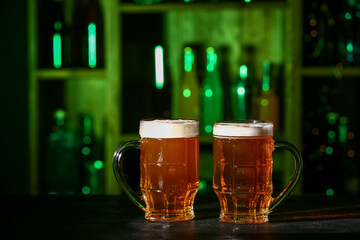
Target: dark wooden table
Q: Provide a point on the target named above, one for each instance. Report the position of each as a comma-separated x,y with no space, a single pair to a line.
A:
115,217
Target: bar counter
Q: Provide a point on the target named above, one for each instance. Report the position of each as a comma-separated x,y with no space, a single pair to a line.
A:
115,217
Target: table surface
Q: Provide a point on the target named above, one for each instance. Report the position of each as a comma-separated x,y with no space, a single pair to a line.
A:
115,217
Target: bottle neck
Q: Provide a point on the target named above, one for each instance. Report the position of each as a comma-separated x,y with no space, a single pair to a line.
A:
266,77
188,59
211,59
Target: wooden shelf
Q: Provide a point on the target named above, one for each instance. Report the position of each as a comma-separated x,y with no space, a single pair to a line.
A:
330,72
59,74
164,7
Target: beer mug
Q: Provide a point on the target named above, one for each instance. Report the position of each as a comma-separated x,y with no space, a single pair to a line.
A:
169,169
242,170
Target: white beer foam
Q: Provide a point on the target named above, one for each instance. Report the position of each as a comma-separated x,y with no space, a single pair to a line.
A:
246,128
169,128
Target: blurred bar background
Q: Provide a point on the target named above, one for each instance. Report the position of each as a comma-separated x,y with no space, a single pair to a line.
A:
79,75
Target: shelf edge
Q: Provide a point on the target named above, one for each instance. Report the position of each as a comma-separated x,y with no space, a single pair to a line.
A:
58,74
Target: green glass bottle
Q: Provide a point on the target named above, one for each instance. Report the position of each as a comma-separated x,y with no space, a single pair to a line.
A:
94,53
91,157
162,88
61,166
269,100
58,34
189,95
239,93
212,94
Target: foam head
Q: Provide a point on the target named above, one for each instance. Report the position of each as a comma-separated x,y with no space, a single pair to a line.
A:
246,128
169,128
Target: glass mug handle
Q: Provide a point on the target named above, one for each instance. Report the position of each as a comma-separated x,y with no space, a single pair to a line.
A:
119,174
296,174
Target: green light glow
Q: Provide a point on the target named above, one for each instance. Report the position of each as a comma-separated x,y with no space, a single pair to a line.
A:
343,130
343,120
264,102
349,47
332,118
85,190
202,185
208,128
243,71
57,25
241,90
85,151
87,122
92,44
208,93
330,192
348,16
98,164
59,113
329,150
159,67
57,50
247,1
87,140
187,92
266,76
60,122
188,59
331,134
211,59
240,101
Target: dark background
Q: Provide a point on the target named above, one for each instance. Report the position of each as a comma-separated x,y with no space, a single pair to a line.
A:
14,157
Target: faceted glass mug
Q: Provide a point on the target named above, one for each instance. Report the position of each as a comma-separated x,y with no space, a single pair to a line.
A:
169,169
242,170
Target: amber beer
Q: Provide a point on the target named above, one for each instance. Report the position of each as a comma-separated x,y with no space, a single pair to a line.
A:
242,171
169,166
169,177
